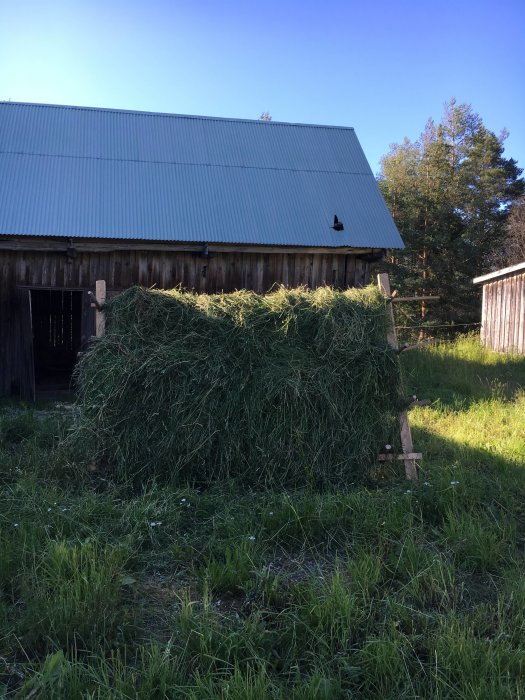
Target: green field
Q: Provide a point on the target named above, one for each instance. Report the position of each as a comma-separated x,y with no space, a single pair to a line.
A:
392,590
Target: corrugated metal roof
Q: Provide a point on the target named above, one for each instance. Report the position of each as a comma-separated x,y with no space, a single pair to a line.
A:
83,172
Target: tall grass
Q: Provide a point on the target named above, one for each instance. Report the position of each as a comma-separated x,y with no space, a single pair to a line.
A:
73,595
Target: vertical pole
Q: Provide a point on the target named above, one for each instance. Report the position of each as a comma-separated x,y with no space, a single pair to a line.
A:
100,317
407,445
384,285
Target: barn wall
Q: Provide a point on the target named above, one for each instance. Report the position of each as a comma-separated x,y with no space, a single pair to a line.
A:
503,314
221,271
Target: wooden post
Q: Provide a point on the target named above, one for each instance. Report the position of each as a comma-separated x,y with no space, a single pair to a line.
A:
406,435
408,446
384,285
100,316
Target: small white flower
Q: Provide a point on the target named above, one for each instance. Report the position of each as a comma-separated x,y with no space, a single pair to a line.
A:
155,523
426,483
64,509
454,483
15,524
251,537
183,500
49,510
271,512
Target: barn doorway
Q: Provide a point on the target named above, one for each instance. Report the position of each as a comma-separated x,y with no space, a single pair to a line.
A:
56,319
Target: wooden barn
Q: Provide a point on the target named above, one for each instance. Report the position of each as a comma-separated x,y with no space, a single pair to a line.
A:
159,199
503,309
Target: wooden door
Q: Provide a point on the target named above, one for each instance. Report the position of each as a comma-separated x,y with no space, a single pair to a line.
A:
23,369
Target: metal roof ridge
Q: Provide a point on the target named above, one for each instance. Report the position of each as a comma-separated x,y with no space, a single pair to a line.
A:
175,115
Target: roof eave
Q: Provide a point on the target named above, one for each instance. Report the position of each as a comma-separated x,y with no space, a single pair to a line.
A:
499,273
21,242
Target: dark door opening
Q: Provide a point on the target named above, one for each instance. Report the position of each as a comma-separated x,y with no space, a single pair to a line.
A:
56,317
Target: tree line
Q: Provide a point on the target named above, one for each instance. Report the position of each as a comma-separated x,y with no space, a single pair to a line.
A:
459,206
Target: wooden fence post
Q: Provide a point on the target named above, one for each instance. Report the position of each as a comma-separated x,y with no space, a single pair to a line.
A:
100,300
406,434
384,285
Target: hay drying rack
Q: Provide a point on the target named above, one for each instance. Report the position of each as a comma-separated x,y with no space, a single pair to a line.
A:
408,456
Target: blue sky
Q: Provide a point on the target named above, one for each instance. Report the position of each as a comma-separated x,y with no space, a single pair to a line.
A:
382,67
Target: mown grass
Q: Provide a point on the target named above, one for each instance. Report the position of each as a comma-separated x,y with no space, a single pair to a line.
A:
393,590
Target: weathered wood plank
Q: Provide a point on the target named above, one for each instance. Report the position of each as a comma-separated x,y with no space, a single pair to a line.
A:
506,292
167,270
498,316
350,271
391,458
511,321
485,316
361,273
521,315
515,313
100,314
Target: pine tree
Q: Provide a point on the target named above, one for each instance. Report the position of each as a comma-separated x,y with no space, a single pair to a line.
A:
513,250
449,194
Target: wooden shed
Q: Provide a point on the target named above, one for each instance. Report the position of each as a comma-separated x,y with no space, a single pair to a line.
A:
165,200
503,309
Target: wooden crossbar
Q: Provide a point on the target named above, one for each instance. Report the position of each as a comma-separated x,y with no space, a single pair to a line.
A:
416,298
405,456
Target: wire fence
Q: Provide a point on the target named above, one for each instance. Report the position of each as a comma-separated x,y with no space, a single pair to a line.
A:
444,325
438,332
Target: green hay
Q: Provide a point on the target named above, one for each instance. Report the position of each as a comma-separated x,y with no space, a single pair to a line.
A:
288,388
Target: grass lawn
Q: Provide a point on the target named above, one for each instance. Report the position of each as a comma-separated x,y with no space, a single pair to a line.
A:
393,590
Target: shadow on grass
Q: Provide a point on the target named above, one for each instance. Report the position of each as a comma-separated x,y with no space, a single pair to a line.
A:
458,382
478,478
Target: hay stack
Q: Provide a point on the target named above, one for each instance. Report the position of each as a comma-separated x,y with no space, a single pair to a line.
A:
289,388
